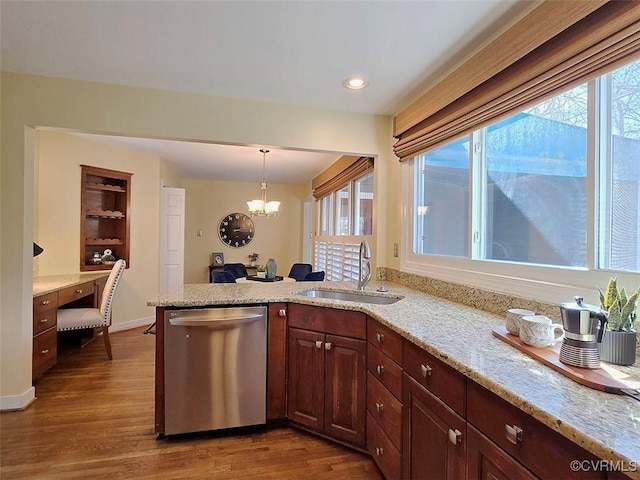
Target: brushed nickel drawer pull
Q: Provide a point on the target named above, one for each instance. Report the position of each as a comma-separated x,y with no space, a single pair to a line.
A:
282,312
380,369
380,337
455,436
379,451
45,351
514,433
425,370
44,320
46,302
318,343
327,346
379,407
79,290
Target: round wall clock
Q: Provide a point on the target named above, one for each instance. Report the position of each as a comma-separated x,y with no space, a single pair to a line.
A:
236,230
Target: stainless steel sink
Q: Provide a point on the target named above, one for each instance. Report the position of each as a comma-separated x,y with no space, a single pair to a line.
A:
350,297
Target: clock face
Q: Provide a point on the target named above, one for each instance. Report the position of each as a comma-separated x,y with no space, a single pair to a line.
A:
236,230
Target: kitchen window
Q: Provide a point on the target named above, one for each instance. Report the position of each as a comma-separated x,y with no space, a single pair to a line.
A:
540,196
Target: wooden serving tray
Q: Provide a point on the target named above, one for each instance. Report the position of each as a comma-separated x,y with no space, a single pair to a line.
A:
606,378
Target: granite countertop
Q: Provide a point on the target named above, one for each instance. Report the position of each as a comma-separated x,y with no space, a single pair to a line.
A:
606,424
50,283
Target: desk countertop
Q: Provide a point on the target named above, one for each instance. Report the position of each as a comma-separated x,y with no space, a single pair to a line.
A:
51,283
461,336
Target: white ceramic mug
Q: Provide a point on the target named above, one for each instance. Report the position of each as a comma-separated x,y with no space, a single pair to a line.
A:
514,317
540,331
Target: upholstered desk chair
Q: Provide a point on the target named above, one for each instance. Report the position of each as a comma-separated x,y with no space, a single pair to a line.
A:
314,277
299,271
77,318
222,277
237,269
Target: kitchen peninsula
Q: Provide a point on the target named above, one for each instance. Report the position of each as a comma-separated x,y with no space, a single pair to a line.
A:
459,338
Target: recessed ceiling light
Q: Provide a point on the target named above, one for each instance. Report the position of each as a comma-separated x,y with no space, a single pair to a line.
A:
355,83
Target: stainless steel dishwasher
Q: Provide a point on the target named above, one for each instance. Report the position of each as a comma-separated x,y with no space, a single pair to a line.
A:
215,372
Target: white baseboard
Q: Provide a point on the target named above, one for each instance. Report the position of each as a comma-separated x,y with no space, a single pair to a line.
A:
18,402
140,322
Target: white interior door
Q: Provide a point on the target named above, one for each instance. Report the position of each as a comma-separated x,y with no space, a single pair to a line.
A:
172,211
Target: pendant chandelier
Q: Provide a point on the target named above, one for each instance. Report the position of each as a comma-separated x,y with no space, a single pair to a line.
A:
262,208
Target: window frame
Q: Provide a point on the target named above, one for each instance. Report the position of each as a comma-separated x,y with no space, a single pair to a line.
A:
552,284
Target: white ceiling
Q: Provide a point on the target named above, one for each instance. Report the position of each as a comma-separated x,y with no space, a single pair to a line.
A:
288,52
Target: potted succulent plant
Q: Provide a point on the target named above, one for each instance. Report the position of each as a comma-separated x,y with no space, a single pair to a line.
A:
108,258
253,258
619,341
261,271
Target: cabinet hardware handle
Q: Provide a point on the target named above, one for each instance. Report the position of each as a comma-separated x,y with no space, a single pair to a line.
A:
380,369
379,406
318,343
327,346
514,433
44,320
45,351
282,312
425,370
45,302
379,451
79,290
380,337
455,436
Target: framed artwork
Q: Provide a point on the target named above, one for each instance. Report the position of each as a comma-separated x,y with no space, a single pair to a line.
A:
217,259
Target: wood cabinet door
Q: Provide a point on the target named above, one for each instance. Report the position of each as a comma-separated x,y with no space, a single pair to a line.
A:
276,361
487,461
306,378
345,402
434,440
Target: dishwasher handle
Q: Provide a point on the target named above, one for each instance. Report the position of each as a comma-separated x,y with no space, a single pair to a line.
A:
213,322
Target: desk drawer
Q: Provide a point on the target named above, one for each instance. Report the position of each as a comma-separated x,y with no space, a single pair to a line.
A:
76,292
385,370
42,303
43,321
44,352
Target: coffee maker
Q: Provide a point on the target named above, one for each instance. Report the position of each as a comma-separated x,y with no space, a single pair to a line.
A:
584,327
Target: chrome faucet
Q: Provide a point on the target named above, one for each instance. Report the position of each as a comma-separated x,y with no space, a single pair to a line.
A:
364,256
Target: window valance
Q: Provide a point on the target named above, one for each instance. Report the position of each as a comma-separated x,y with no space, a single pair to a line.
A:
555,46
340,173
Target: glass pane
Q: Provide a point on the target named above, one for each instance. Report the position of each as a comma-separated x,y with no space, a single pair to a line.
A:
342,211
364,205
536,164
621,182
325,215
442,200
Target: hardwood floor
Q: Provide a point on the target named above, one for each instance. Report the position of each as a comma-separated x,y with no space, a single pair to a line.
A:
93,418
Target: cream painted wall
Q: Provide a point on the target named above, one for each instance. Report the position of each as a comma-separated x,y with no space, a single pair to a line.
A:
208,201
33,101
58,211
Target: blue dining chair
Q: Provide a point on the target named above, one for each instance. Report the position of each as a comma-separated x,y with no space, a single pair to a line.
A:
299,271
314,277
222,277
236,269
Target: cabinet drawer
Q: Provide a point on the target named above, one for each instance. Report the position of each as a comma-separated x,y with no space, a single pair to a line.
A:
385,408
545,452
46,302
442,380
44,352
71,294
385,370
328,320
385,454
44,320
385,339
